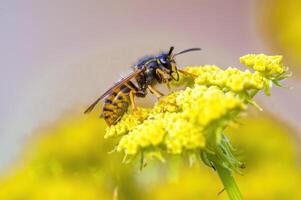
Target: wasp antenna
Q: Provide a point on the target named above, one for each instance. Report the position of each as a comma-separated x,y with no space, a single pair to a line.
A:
188,50
170,50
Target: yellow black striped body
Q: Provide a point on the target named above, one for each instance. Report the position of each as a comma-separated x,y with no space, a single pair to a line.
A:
116,104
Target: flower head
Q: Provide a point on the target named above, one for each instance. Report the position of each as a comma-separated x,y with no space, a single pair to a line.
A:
194,118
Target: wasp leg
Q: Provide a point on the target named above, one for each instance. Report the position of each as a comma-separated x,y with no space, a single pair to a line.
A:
187,73
155,92
132,99
164,76
135,91
132,94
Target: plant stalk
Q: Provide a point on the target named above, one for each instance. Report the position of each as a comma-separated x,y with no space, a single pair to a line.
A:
228,182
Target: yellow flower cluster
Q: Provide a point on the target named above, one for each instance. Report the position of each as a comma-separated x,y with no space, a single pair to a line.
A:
231,78
267,69
195,109
193,118
130,121
268,65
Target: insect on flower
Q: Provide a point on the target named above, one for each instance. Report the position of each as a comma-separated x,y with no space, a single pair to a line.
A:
148,72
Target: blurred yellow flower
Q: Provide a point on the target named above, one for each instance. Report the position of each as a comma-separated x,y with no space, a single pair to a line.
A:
67,161
282,28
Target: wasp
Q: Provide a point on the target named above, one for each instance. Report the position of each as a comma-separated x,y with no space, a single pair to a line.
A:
147,73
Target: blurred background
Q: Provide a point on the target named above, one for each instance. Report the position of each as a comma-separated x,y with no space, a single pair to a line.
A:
58,56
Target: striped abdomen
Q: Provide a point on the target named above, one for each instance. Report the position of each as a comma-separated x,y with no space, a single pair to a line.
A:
116,104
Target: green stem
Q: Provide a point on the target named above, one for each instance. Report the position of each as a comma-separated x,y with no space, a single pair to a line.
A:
222,159
228,182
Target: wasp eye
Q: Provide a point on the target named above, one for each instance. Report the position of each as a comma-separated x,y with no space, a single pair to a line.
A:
162,60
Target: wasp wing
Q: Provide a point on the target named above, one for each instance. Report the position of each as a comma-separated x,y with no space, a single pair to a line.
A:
117,85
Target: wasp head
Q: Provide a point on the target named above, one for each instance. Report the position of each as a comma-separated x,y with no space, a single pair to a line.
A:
168,64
